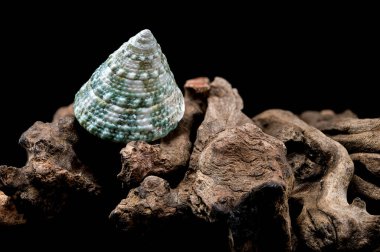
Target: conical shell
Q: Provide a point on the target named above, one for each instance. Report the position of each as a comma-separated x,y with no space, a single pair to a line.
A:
132,95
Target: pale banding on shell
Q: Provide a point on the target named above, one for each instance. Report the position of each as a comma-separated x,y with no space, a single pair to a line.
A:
132,95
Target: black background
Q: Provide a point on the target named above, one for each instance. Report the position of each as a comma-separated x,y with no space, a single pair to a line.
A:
276,58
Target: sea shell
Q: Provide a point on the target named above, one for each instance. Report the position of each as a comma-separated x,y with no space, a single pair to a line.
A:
132,95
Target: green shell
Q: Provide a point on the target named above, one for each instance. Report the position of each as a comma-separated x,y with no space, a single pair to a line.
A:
132,95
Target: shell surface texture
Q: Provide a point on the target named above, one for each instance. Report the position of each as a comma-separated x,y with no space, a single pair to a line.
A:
132,95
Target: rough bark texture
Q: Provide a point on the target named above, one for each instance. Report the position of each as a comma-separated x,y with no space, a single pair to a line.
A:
53,177
366,181
361,137
8,212
320,118
237,175
323,170
356,135
274,183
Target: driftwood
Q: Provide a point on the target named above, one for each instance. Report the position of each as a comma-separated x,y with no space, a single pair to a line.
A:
53,176
237,174
9,215
366,180
271,183
323,170
141,159
361,137
356,135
